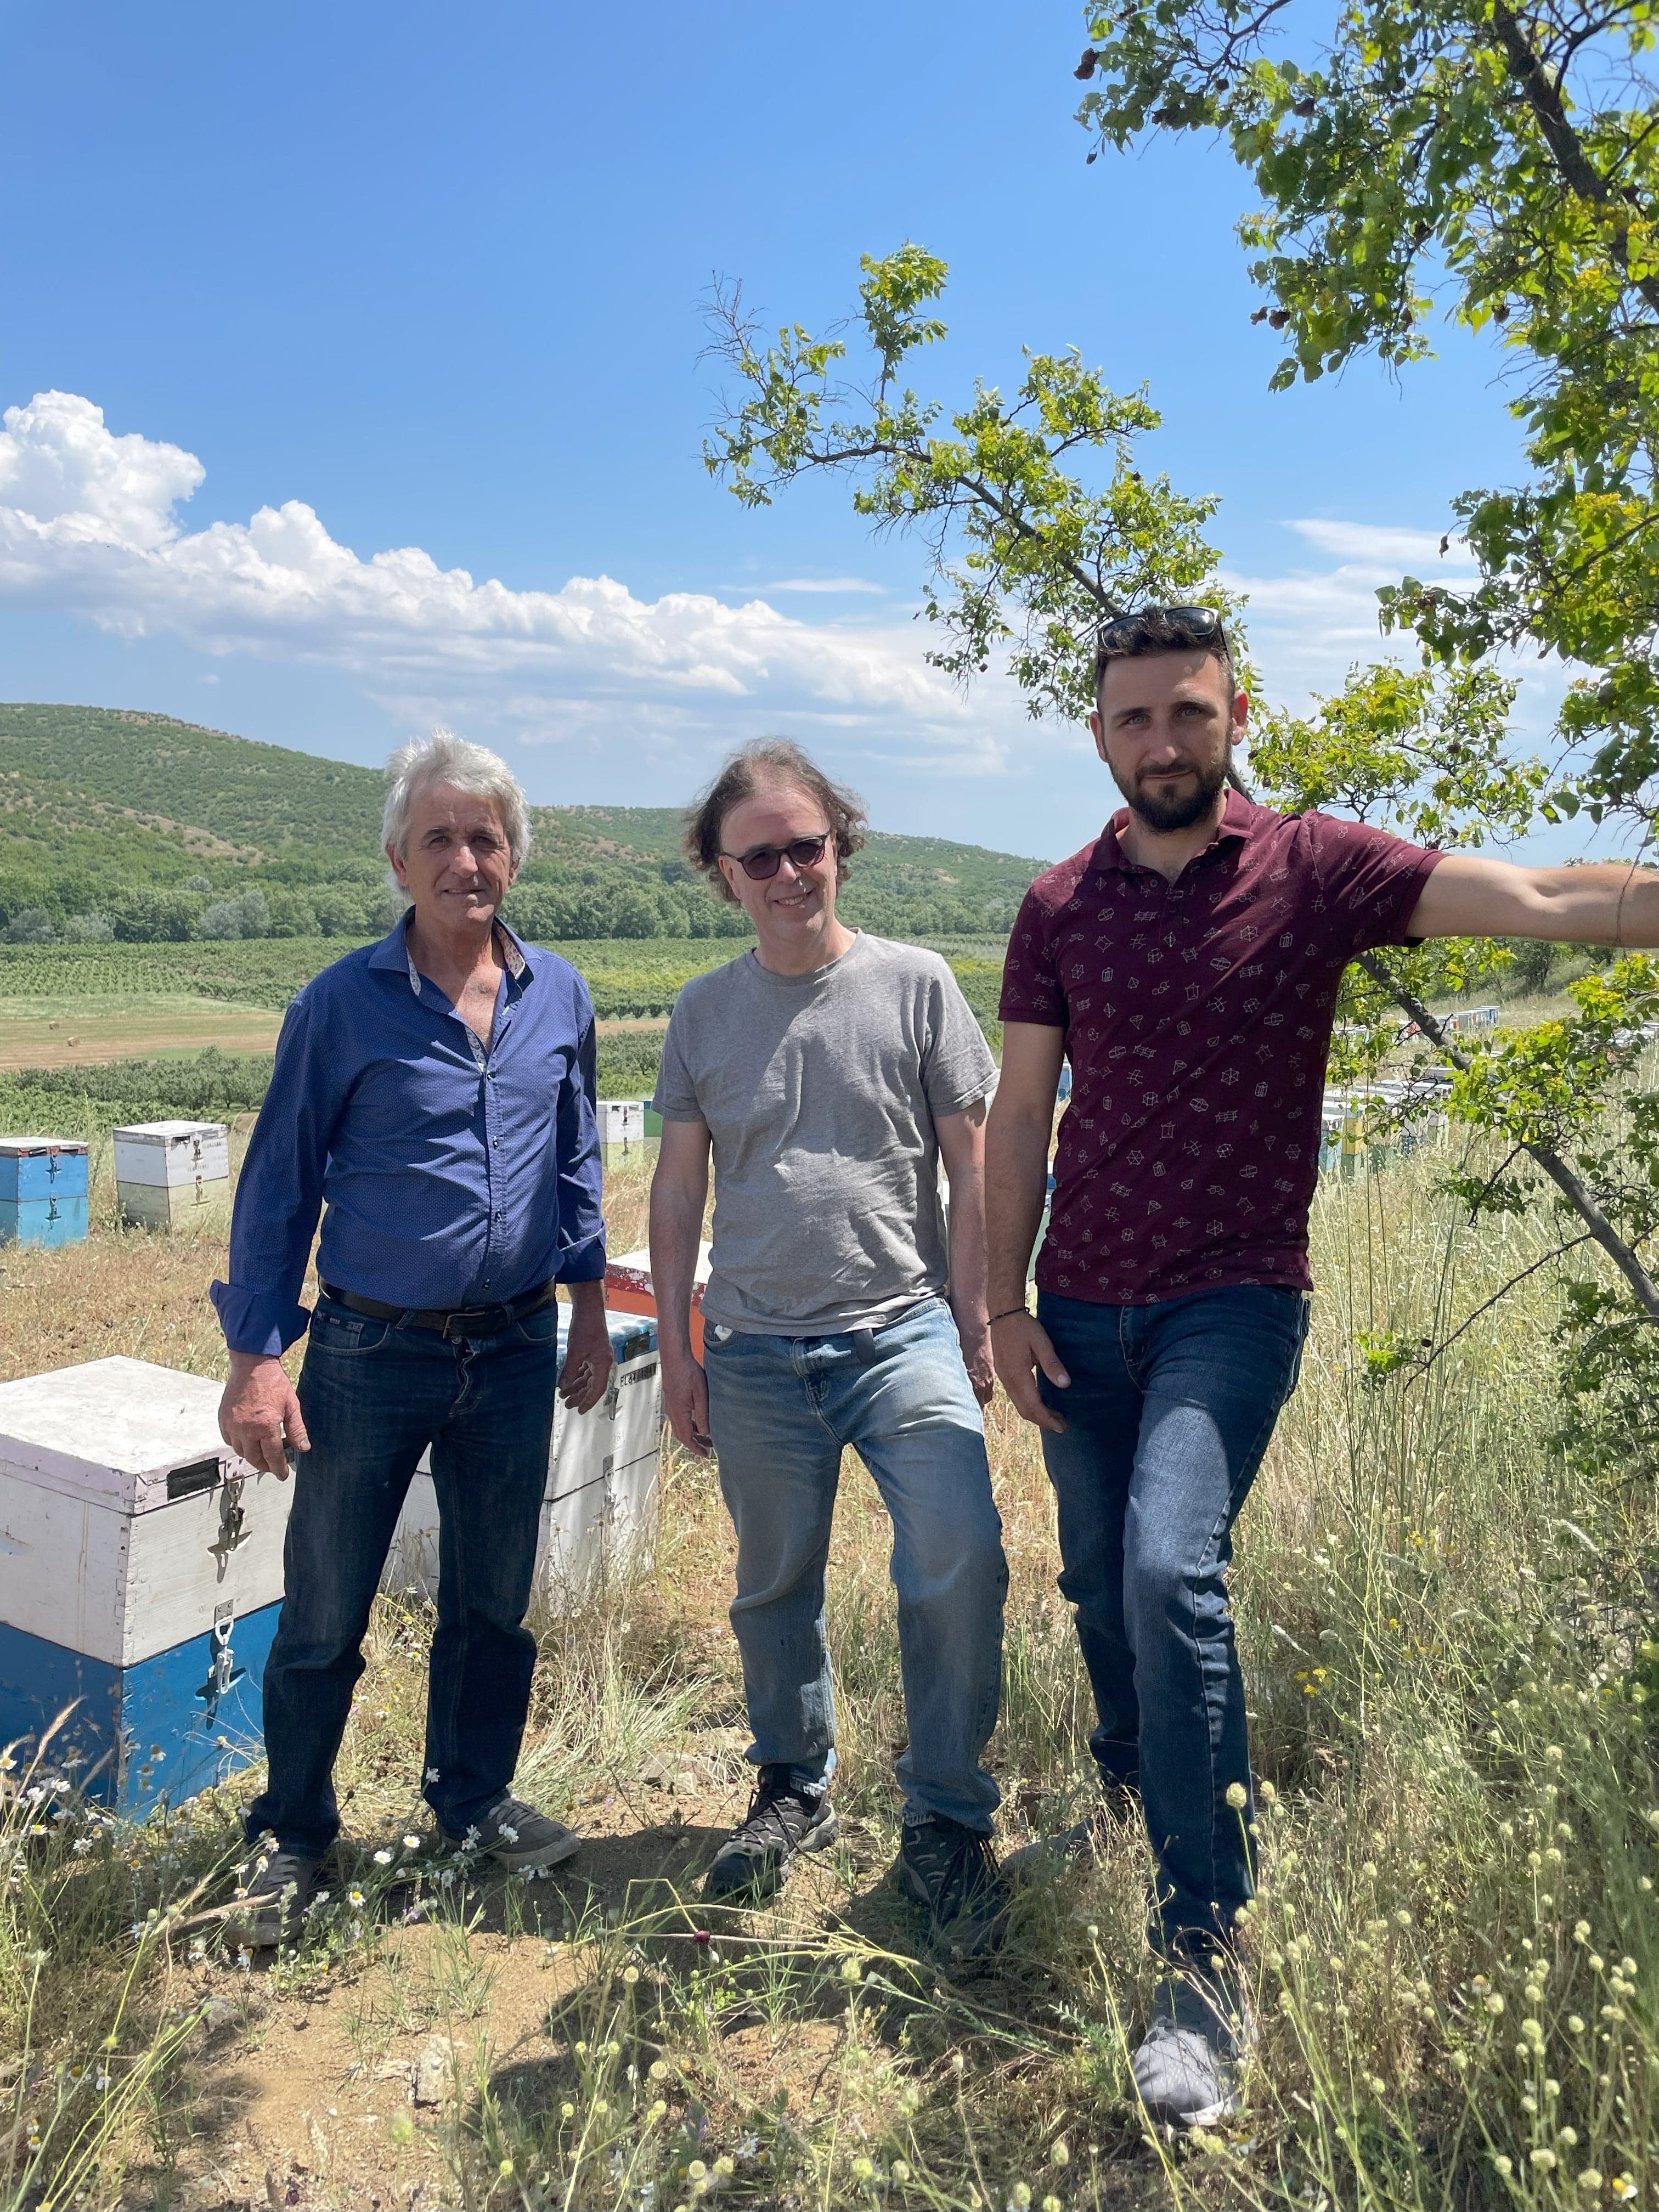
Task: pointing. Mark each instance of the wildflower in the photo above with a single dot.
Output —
(1581, 1929)
(1019, 2197)
(851, 1970)
(505, 2167)
(901, 2170)
(1051, 2204)
(1368, 1870)
(567, 2112)
(1059, 2153)
(1502, 2167)
(863, 2171)
(1623, 2185)
(1590, 2180)
(696, 2169)
(657, 2070)
(1402, 1918)
(357, 1900)
(383, 1858)
(600, 2108)
(1569, 2136)
(1236, 1795)
(1267, 1794)
(1379, 2088)
(1494, 2002)
(411, 1843)
(1544, 2159)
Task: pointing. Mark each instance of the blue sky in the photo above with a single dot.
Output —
(413, 278)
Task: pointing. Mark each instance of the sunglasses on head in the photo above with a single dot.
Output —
(1201, 623)
(761, 865)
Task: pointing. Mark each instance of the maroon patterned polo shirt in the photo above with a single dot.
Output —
(1198, 1018)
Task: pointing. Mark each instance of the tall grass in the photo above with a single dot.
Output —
(1448, 1639)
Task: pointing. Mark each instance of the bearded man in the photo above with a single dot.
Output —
(1187, 963)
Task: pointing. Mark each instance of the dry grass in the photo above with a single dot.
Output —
(1456, 1944)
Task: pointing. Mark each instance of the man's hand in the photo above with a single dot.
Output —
(260, 1415)
(1021, 1345)
(587, 1362)
(976, 1340)
(685, 1400)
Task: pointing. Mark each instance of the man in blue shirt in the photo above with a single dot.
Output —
(433, 1096)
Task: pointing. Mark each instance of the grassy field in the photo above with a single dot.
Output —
(1455, 1950)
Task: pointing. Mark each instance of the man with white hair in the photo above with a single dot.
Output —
(433, 1096)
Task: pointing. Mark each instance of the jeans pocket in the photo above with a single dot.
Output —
(539, 1329)
(340, 1334)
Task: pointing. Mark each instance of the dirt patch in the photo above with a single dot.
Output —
(90, 1032)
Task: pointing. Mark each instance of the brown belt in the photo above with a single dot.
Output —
(446, 1321)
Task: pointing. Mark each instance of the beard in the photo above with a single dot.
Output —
(1174, 812)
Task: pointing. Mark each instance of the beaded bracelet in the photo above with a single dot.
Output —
(1007, 1314)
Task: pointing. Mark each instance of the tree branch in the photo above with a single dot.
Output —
(1580, 173)
(1570, 1187)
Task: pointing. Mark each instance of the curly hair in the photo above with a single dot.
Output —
(768, 761)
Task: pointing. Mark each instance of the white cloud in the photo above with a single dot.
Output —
(835, 585)
(87, 524)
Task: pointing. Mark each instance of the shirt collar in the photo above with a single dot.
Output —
(392, 951)
(1241, 820)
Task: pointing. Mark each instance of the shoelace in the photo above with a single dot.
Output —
(767, 1818)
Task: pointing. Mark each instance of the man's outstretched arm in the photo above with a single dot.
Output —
(1603, 903)
(1016, 1176)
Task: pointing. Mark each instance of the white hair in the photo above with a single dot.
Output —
(445, 758)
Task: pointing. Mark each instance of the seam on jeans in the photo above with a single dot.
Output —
(1234, 1507)
(456, 1550)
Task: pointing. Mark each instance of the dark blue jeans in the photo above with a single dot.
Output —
(374, 1396)
(1168, 1413)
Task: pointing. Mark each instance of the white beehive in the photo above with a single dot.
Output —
(171, 1173)
(622, 1129)
(141, 1575)
(600, 1498)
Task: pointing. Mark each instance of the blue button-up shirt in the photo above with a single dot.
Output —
(448, 1173)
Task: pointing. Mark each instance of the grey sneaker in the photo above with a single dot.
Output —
(273, 1889)
(1078, 1845)
(953, 1870)
(516, 1836)
(1187, 2070)
(781, 1821)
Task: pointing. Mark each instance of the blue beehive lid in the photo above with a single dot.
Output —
(631, 1335)
(42, 1167)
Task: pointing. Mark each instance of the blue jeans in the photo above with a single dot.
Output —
(780, 1411)
(374, 1396)
(1168, 1413)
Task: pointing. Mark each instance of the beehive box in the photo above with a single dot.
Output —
(622, 1129)
(43, 1190)
(600, 1498)
(173, 1174)
(630, 1288)
(141, 1575)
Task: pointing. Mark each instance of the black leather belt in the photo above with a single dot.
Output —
(446, 1321)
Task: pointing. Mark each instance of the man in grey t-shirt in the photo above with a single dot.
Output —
(829, 1073)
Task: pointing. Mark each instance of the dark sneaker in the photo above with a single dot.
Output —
(273, 1889)
(1187, 2070)
(781, 1821)
(953, 1870)
(516, 1836)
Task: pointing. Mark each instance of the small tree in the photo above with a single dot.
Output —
(1026, 557)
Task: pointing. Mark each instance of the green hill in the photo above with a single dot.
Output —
(134, 824)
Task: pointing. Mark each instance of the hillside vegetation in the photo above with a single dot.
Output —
(134, 827)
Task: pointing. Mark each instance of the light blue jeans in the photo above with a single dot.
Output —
(782, 1409)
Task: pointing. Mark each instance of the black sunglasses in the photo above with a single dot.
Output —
(1203, 622)
(761, 865)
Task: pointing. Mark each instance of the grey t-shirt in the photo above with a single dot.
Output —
(820, 1092)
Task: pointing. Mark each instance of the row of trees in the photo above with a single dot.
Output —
(146, 915)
